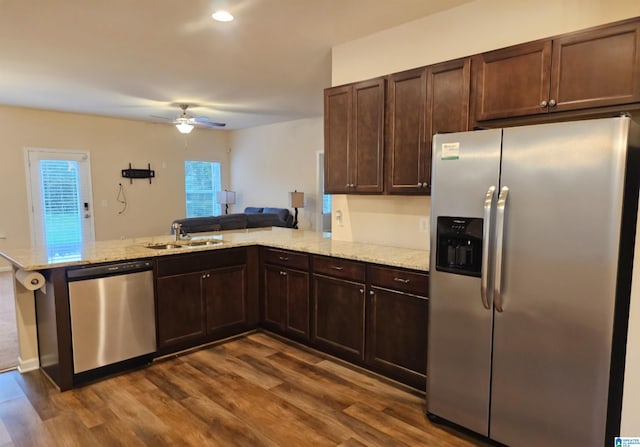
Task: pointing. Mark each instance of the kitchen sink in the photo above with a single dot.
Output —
(163, 246)
(201, 243)
(171, 245)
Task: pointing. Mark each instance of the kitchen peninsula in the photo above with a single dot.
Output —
(362, 302)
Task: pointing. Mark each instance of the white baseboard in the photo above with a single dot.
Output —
(28, 364)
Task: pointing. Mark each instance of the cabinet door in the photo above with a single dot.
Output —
(337, 131)
(225, 292)
(406, 109)
(297, 298)
(512, 81)
(448, 87)
(596, 68)
(397, 335)
(274, 297)
(367, 137)
(339, 316)
(180, 308)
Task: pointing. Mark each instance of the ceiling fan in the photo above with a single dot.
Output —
(185, 122)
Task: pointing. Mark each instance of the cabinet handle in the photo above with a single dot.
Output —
(283, 258)
(371, 292)
(353, 185)
(347, 185)
(403, 281)
(552, 103)
(336, 267)
(543, 104)
(283, 273)
(361, 290)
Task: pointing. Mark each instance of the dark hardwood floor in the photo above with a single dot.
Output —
(256, 390)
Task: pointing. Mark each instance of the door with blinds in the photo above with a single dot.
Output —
(59, 184)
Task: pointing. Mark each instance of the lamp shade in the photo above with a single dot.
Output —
(296, 199)
(226, 197)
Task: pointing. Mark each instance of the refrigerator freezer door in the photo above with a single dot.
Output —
(465, 166)
(552, 342)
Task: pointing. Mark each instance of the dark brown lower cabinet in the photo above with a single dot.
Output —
(339, 309)
(201, 297)
(274, 303)
(180, 308)
(397, 315)
(286, 294)
(225, 297)
(286, 298)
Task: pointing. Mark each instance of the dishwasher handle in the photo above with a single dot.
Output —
(101, 271)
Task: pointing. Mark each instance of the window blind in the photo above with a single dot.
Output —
(61, 204)
(202, 182)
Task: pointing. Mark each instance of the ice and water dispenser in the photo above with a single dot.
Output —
(459, 245)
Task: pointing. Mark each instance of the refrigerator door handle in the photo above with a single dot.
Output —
(497, 287)
(486, 234)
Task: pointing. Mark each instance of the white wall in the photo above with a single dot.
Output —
(113, 144)
(399, 221)
(468, 29)
(267, 162)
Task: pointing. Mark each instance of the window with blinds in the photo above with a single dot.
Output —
(61, 202)
(202, 182)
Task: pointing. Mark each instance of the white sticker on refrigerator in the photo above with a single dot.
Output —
(450, 151)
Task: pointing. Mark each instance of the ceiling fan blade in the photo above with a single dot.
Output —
(162, 118)
(185, 118)
(204, 122)
(208, 124)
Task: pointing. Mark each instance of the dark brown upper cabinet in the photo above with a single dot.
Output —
(406, 143)
(582, 70)
(448, 90)
(354, 136)
(423, 102)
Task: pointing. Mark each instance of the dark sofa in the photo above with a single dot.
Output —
(251, 218)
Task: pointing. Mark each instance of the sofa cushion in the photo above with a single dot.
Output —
(233, 221)
(252, 210)
(264, 220)
(283, 213)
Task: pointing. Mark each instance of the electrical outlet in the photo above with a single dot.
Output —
(423, 225)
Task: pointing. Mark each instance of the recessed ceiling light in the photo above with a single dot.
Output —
(222, 16)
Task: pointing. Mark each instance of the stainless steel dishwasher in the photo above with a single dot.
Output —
(112, 313)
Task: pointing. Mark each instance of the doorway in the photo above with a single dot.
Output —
(59, 187)
(324, 219)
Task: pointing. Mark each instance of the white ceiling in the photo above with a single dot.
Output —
(138, 58)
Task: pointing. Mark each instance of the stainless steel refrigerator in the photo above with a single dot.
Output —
(532, 232)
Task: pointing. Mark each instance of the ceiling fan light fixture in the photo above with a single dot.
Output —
(222, 16)
(184, 127)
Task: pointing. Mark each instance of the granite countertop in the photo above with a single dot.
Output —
(304, 241)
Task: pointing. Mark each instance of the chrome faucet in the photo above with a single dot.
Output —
(177, 230)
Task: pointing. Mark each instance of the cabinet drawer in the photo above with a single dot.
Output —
(339, 268)
(401, 280)
(286, 258)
